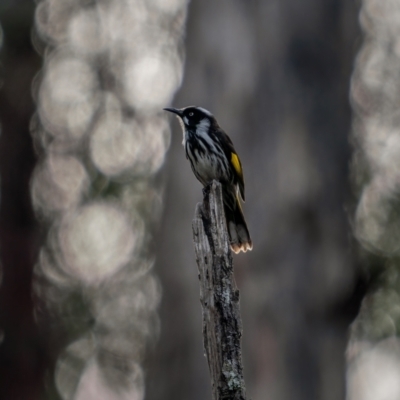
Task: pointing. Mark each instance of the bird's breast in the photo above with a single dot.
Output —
(205, 163)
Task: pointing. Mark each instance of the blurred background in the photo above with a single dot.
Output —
(99, 295)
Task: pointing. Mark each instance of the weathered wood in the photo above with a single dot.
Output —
(219, 297)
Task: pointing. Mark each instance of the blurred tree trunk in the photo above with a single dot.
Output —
(23, 355)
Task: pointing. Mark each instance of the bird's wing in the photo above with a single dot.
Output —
(237, 167)
(235, 163)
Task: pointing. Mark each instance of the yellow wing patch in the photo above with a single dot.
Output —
(236, 164)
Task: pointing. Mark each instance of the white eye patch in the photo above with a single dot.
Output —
(202, 128)
(185, 120)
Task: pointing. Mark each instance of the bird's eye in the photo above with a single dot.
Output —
(191, 114)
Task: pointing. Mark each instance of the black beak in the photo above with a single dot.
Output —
(176, 111)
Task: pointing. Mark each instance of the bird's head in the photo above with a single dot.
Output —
(192, 116)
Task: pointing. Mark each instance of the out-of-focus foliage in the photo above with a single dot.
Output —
(373, 352)
(109, 68)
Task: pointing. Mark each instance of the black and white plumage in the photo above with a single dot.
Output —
(212, 156)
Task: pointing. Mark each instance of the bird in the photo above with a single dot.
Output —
(212, 156)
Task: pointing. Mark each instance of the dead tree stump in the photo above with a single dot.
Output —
(219, 297)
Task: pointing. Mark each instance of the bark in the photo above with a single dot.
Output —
(219, 297)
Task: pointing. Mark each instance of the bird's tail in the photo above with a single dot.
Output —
(239, 235)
